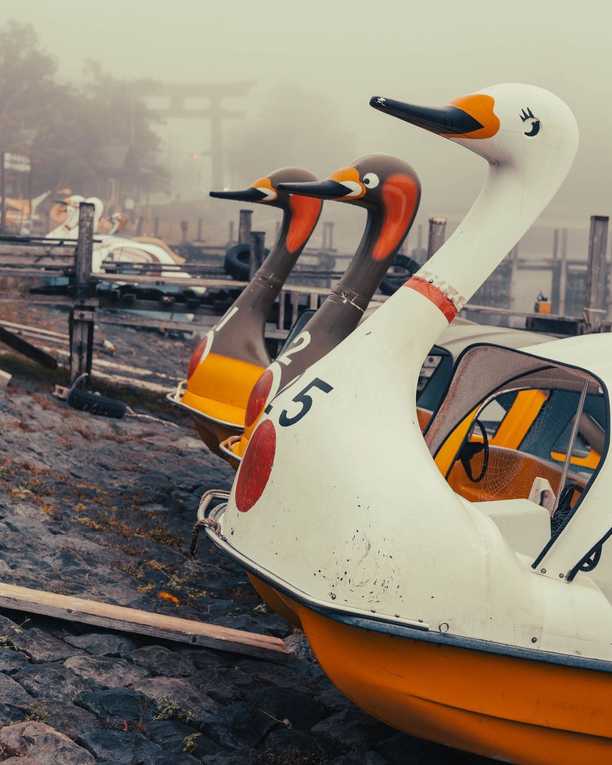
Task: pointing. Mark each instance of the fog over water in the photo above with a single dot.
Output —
(314, 66)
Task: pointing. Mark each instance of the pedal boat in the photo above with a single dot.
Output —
(389, 190)
(476, 624)
(229, 360)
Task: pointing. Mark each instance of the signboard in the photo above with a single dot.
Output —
(18, 163)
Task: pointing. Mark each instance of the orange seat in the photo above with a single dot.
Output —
(509, 475)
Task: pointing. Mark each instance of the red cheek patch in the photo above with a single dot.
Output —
(258, 397)
(401, 195)
(305, 213)
(256, 466)
(196, 356)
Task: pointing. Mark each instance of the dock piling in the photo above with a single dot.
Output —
(595, 305)
(562, 271)
(82, 315)
(244, 226)
(513, 256)
(437, 235)
(328, 235)
(184, 231)
(554, 274)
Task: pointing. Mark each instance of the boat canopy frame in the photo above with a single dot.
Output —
(478, 378)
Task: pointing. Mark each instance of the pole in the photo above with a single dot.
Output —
(570, 445)
(328, 235)
(437, 235)
(184, 231)
(595, 309)
(84, 251)
(555, 272)
(81, 322)
(29, 225)
(216, 143)
(514, 253)
(244, 226)
(3, 191)
(563, 271)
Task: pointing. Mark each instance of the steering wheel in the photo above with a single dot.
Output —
(470, 449)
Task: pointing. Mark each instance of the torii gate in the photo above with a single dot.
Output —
(214, 93)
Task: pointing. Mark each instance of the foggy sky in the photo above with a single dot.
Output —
(426, 52)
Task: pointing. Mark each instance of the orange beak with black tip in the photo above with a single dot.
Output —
(243, 195)
(472, 116)
(343, 184)
(261, 190)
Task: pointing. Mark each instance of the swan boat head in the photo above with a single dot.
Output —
(389, 190)
(227, 362)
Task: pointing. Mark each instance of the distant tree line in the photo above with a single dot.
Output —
(95, 137)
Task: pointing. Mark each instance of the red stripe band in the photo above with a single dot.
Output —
(435, 295)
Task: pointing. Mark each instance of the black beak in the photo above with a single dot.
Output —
(320, 189)
(450, 120)
(244, 195)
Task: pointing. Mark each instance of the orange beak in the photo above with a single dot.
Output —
(260, 191)
(344, 185)
(472, 116)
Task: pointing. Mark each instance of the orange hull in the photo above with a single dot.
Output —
(499, 706)
(275, 601)
(219, 390)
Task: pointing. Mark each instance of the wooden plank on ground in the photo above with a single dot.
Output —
(140, 622)
(19, 344)
(35, 330)
(131, 382)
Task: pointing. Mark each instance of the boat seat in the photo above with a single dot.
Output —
(510, 475)
(524, 525)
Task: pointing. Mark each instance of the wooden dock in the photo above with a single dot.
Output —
(39, 258)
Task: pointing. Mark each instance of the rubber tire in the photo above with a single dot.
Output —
(236, 262)
(327, 262)
(392, 282)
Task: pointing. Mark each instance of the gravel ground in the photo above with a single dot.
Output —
(103, 509)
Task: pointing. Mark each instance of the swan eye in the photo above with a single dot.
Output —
(370, 180)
